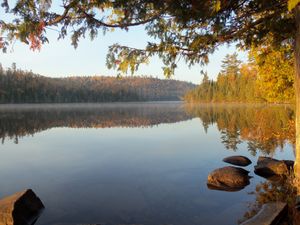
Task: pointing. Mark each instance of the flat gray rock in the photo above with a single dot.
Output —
(269, 214)
(237, 160)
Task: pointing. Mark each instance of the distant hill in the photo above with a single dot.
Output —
(17, 86)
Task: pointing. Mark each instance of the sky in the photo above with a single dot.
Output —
(60, 59)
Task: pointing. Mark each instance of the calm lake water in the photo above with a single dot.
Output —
(137, 163)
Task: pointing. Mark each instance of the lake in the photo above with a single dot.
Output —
(137, 163)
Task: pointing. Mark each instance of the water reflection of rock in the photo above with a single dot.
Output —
(22, 120)
(22, 208)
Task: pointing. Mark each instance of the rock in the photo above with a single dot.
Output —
(270, 213)
(228, 178)
(268, 167)
(289, 164)
(22, 208)
(237, 160)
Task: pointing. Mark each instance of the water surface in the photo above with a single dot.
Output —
(137, 163)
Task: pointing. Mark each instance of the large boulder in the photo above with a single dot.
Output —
(270, 213)
(22, 208)
(237, 160)
(268, 167)
(228, 178)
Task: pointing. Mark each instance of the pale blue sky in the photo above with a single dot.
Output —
(59, 58)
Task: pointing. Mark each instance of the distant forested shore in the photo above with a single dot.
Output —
(18, 86)
(268, 77)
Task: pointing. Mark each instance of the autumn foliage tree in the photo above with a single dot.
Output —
(267, 77)
(275, 75)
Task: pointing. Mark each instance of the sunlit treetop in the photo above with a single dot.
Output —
(181, 29)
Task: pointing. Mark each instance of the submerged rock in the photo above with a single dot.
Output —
(22, 208)
(270, 213)
(268, 167)
(228, 178)
(237, 160)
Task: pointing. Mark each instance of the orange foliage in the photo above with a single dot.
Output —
(34, 38)
(1, 43)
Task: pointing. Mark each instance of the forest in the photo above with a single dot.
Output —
(268, 77)
(18, 86)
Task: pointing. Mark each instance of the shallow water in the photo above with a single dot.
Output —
(137, 163)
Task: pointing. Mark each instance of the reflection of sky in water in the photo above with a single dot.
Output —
(151, 175)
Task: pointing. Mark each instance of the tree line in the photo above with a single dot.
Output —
(267, 77)
(18, 86)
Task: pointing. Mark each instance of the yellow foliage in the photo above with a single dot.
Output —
(218, 5)
(275, 73)
(292, 4)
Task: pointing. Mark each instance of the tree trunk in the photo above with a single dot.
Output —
(297, 92)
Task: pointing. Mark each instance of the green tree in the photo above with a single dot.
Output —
(235, 83)
(230, 74)
(230, 65)
(202, 93)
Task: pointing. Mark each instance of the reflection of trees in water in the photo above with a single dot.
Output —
(25, 121)
(264, 128)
